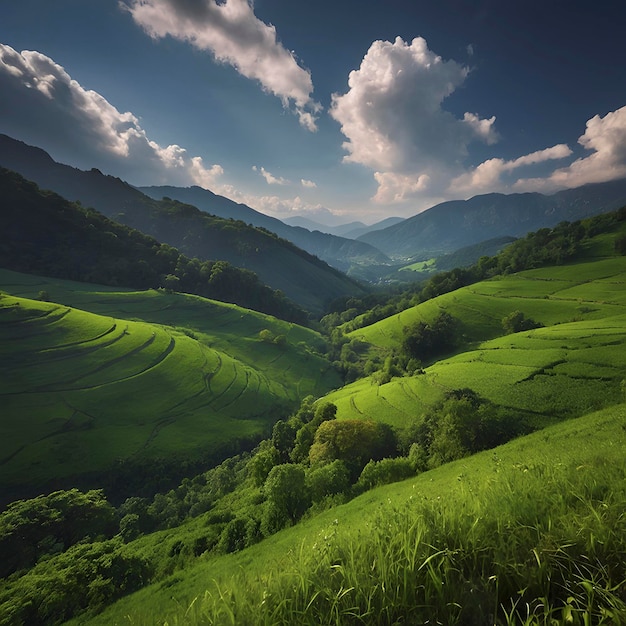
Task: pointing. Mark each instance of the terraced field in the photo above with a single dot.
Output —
(572, 366)
(81, 392)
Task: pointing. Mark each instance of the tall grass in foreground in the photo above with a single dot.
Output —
(535, 545)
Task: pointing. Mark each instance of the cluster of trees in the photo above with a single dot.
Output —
(461, 424)
(79, 551)
(88, 247)
(517, 322)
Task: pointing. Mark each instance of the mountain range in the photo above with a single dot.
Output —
(340, 252)
(440, 230)
(304, 278)
(351, 230)
(449, 226)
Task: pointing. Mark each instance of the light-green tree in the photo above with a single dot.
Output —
(287, 497)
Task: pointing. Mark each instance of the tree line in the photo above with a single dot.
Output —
(42, 233)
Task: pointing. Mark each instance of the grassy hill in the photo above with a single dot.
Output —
(529, 532)
(90, 398)
(573, 365)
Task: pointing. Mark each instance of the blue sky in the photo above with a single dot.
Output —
(338, 110)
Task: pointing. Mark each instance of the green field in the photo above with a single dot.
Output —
(83, 391)
(572, 366)
(532, 529)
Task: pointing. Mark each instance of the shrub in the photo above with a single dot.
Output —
(385, 471)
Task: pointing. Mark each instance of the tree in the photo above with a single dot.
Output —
(287, 496)
(329, 480)
(353, 441)
(424, 341)
(261, 464)
(517, 322)
(283, 437)
(52, 523)
(385, 471)
(171, 282)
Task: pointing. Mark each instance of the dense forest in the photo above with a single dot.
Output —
(42, 233)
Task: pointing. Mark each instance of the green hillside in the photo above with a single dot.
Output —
(573, 365)
(531, 532)
(528, 532)
(88, 399)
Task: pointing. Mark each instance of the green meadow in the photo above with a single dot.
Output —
(572, 366)
(85, 391)
(532, 532)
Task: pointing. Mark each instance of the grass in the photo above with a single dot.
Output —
(532, 532)
(586, 290)
(82, 392)
(572, 366)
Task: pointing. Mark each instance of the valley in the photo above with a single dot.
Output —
(232, 466)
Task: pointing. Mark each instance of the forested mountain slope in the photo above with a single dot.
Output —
(337, 251)
(305, 279)
(44, 233)
(449, 226)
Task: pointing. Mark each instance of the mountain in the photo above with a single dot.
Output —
(354, 233)
(351, 230)
(449, 226)
(305, 222)
(305, 279)
(43, 233)
(339, 252)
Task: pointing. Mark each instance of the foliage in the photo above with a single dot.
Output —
(385, 471)
(355, 442)
(287, 497)
(87, 576)
(531, 534)
(517, 322)
(424, 341)
(31, 529)
(92, 248)
(460, 425)
(328, 480)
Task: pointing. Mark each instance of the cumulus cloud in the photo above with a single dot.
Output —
(394, 121)
(605, 137)
(490, 174)
(43, 105)
(309, 184)
(230, 30)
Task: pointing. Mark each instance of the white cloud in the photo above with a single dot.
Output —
(489, 175)
(230, 30)
(606, 138)
(309, 184)
(395, 188)
(270, 179)
(394, 122)
(43, 105)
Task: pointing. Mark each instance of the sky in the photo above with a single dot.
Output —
(337, 110)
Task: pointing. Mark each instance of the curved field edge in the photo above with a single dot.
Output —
(291, 357)
(82, 393)
(572, 366)
(552, 295)
(545, 507)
